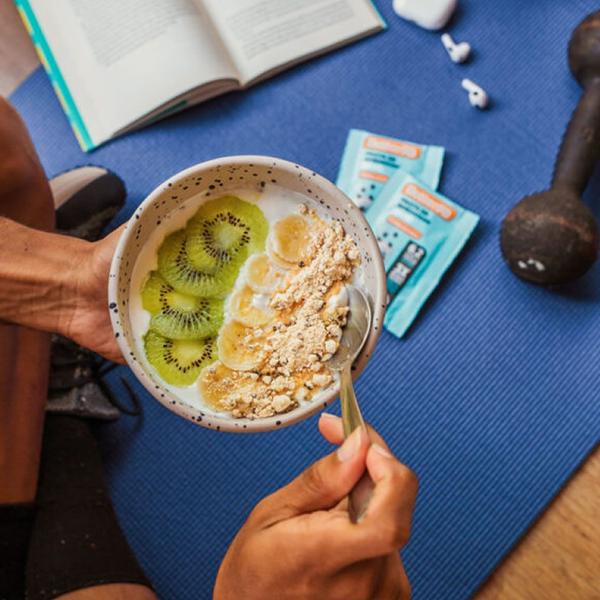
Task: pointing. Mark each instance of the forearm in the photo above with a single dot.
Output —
(39, 276)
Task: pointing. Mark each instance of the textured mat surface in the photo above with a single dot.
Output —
(491, 398)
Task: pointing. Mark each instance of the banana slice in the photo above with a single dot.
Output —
(238, 348)
(214, 384)
(250, 309)
(262, 275)
(291, 238)
(278, 260)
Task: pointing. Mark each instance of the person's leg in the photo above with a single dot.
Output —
(76, 543)
(121, 591)
(24, 353)
(25, 197)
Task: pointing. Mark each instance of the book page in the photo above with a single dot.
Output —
(121, 59)
(263, 35)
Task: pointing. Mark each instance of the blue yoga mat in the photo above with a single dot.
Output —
(491, 398)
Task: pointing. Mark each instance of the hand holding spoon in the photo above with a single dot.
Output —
(353, 339)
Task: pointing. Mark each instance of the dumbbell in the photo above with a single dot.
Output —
(551, 237)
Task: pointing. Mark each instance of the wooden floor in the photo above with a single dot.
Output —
(559, 559)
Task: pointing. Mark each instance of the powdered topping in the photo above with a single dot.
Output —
(271, 367)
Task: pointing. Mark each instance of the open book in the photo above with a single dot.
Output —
(117, 65)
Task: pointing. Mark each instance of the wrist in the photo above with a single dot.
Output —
(74, 287)
(40, 276)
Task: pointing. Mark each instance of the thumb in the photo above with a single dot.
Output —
(324, 483)
(104, 250)
(110, 240)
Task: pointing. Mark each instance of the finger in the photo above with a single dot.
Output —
(388, 518)
(332, 430)
(105, 248)
(109, 242)
(116, 233)
(394, 582)
(387, 522)
(342, 505)
(386, 525)
(321, 486)
(361, 580)
(114, 354)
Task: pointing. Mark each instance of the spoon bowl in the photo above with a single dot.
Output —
(356, 330)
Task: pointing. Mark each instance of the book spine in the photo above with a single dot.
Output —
(378, 13)
(58, 83)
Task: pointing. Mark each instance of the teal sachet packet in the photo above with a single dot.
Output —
(369, 161)
(420, 232)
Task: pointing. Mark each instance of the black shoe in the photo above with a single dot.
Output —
(86, 200)
(76, 386)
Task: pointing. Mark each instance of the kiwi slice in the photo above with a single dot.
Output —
(179, 316)
(177, 270)
(178, 362)
(225, 230)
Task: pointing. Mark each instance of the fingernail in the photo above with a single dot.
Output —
(351, 445)
(383, 451)
(329, 417)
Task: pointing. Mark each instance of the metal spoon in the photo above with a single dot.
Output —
(353, 339)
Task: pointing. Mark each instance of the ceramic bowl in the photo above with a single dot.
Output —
(212, 179)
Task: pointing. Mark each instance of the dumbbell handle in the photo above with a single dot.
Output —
(580, 147)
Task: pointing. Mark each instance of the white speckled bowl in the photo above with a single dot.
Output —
(215, 178)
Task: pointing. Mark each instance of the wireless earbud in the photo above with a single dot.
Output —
(477, 95)
(458, 53)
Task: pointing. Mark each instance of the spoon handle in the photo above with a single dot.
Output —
(361, 493)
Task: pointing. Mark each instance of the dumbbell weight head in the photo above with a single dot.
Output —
(551, 237)
(584, 50)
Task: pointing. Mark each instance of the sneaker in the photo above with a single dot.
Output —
(86, 200)
(76, 386)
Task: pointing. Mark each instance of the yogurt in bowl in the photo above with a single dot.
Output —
(227, 294)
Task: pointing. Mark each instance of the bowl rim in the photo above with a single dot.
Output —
(226, 423)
